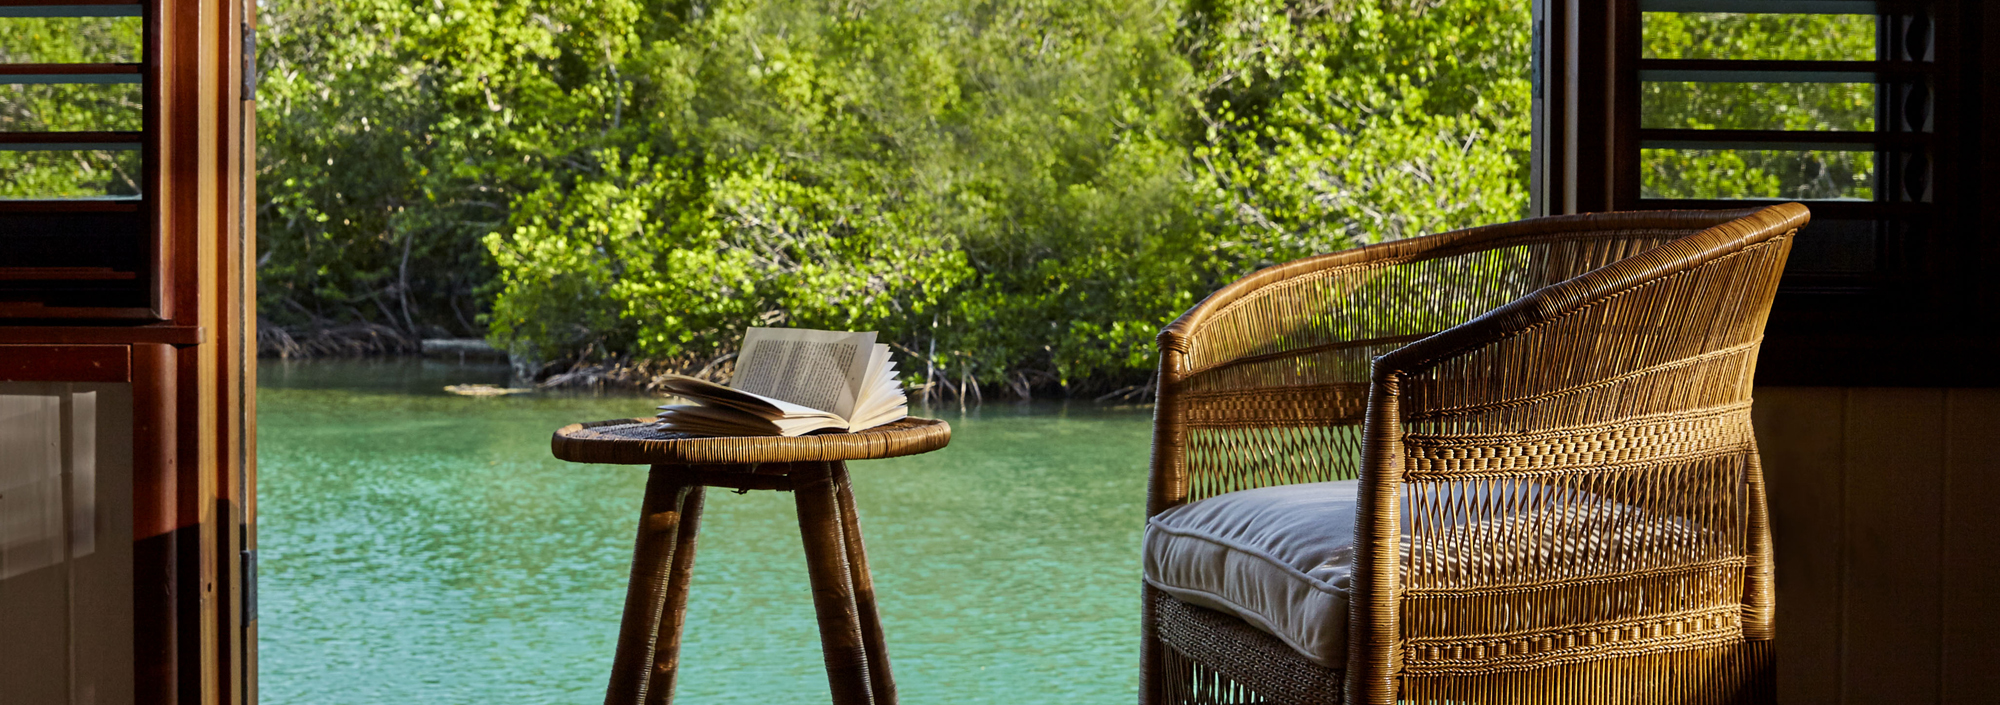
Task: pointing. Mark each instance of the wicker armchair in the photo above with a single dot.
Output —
(1556, 494)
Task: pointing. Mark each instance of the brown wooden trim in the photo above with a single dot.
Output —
(232, 352)
(35, 310)
(153, 154)
(105, 335)
(184, 119)
(65, 363)
(192, 419)
(155, 426)
(194, 460)
(247, 274)
(154, 520)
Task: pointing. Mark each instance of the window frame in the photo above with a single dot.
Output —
(149, 220)
(1924, 316)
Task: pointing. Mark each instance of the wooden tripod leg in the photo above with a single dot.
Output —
(879, 678)
(659, 524)
(667, 644)
(832, 585)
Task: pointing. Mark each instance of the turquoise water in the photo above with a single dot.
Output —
(420, 547)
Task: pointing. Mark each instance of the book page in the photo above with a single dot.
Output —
(813, 368)
(748, 402)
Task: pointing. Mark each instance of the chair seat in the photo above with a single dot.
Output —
(1280, 557)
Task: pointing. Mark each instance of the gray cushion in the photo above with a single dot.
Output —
(1277, 557)
(1281, 557)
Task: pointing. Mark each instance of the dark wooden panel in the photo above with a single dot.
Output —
(112, 238)
(1799, 439)
(1779, 66)
(130, 205)
(41, 274)
(35, 310)
(1828, 209)
(111, 243)
(1833, 7)
(65, 363)
(111, 335)
(1759, 138)
(1587, 125)
(1894, 487)
(77, 138)
(1971, 590)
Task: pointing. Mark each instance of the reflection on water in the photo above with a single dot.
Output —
(421, 547)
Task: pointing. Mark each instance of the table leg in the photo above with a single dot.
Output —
(832, 585)
(659, 524)
(667, 644)
(880, 680)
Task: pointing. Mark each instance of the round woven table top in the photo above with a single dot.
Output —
(642, 442)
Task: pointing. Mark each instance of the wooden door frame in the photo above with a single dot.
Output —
(192, 369)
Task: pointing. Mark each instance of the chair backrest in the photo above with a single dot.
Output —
(1265, 381)
(1575, 378)
(1573, 475)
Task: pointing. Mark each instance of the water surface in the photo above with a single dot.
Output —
(421, 547)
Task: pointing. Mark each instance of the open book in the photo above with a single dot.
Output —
(789, 382)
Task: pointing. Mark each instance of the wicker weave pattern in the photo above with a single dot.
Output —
(1559, 483)
(1217, 653)
(1691, 434)
(642, 442)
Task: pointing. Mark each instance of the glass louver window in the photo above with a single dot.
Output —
(1822, 101)
(74, 147)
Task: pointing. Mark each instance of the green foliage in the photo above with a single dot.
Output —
(1335, 124)
(69, 108)
(393, 137)
(1021, 190)
(1716, 35)
(1018, 190)
(1801, 174)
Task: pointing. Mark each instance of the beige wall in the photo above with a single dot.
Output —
(65, 543)
(1883, 506)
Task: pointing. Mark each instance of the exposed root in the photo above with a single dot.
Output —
(349, 340)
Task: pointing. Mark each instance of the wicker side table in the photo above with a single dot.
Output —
(814, 470)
